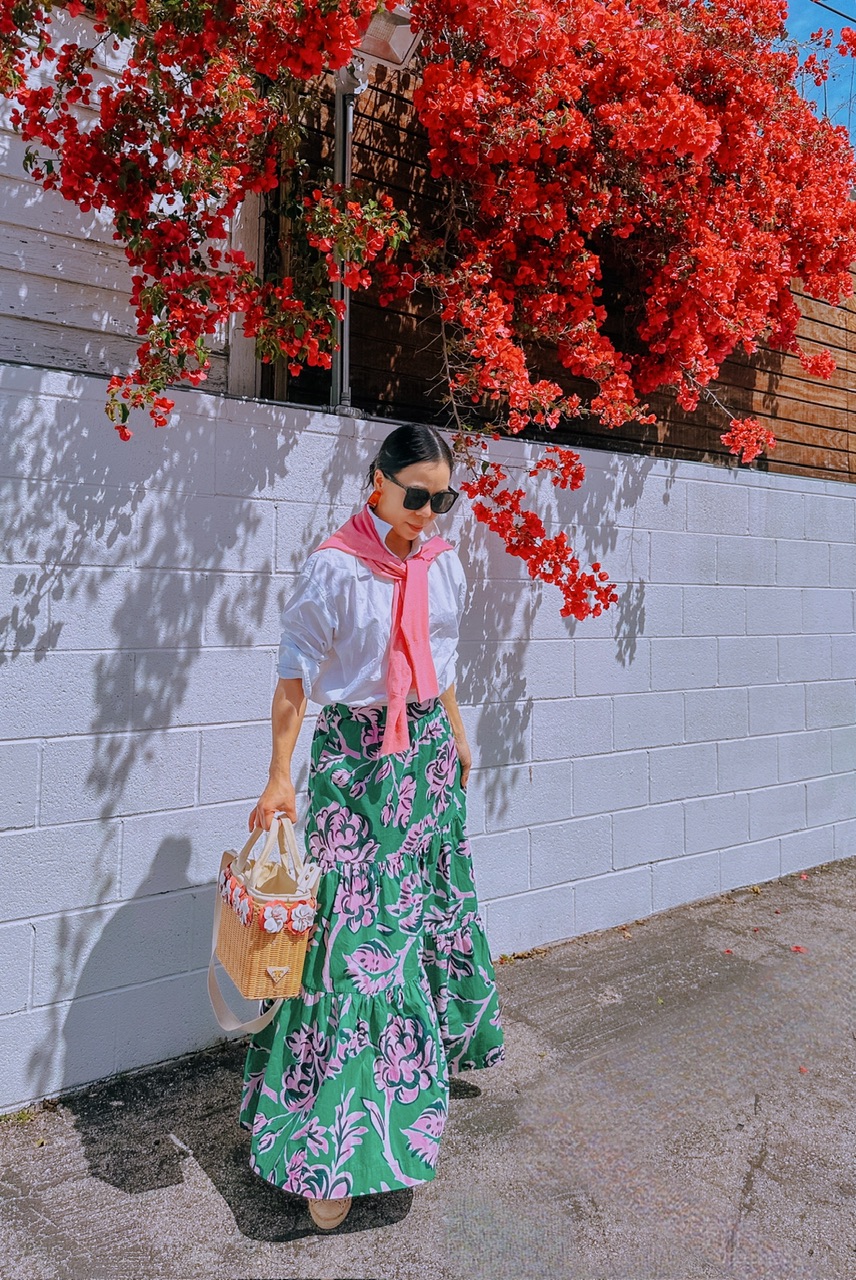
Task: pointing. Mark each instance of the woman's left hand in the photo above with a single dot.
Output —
(465, 756)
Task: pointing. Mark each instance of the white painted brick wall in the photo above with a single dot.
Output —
(19, 784)
(696, 738)
(677, 880)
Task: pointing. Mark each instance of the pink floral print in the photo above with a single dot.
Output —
(407, 1059)
(300, 1084)
(423, 1136)
(409, 905)
(399, 804)
(341, 836)
(372, 966)
(356, 899)
(442, 769)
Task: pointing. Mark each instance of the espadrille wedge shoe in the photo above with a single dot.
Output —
(328, 1214)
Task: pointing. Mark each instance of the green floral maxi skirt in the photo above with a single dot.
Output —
(346, 1092)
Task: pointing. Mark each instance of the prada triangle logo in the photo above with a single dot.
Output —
(277, 973)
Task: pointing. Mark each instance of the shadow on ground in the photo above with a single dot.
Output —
(137, 1130)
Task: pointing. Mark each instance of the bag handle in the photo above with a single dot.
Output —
(307, 870)
(222, 1012)
(273, 850)
(280, 848)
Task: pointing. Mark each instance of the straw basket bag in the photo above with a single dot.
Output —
(263, 917)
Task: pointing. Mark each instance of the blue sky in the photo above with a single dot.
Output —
(805, 17)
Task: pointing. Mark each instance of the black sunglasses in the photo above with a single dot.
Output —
(416, 497)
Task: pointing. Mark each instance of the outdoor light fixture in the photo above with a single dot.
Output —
(390, 40)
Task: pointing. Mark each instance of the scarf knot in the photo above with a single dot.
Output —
(411, 663)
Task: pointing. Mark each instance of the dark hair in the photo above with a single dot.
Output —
(406, 445)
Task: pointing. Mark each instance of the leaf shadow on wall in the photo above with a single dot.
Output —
(492, 676)
(606, 529)
(500, 666)
(134, 562)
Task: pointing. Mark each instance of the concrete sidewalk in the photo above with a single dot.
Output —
(677, 1103)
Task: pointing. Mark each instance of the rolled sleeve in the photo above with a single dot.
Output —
(308, 627)
(463, 587)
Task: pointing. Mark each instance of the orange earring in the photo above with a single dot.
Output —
(374, 499)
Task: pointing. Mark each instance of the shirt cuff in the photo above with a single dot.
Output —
(294, 665)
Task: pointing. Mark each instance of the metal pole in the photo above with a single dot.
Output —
(345, 388)
(349, 82)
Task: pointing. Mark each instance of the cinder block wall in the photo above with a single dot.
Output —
(698, 737)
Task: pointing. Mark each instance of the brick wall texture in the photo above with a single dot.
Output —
(698, 737)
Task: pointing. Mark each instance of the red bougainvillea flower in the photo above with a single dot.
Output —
(548, 558)
(749, 437)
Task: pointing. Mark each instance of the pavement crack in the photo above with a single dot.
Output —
(747, 1196)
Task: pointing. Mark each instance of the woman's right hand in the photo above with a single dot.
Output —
(277, 797)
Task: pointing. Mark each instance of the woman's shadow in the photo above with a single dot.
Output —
(139, 1129)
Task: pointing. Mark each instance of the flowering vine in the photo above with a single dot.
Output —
(638, 184)
(630, 189)
(550, 559)
(169, 116)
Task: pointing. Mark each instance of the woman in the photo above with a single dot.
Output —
(346, 1092)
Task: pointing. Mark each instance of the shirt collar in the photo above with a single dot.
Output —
(383, 529)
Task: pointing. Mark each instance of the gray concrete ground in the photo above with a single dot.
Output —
(677, 1103)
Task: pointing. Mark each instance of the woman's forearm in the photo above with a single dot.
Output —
(289, 704)
(453, 711)
(287, 710)
(465, 756)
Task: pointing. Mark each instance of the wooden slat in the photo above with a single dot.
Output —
(800, 424)
(836, 465)
(51, 346)
(58, 347)
(25, 205)
(88, 308)
(769, 389)
(834, 319)
(64, 259)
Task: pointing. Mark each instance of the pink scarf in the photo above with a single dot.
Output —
(410, 661)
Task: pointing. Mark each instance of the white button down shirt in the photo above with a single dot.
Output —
(336, 625)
